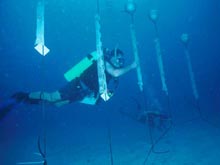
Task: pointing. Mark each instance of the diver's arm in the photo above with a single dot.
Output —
(119, 71)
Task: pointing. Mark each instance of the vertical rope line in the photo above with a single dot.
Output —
(43, 110)
(135, 52)
(110, 145)
(98, 7)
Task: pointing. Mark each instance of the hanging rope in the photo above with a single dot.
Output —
(130, 8)
(153, 17)
(39, 42)
(136, 55)
(100, 62)
(185, 40)
(43, 151)
(191, 74)
(160, 64)
(110, 145)
(43, 50)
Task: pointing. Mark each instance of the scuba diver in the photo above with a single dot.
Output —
(82, 83)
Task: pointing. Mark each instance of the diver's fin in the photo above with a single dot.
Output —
(23, 97)
(20, 96)
(5, 109)
(12, 102)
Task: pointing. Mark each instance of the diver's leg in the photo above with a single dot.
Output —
(49, 97)
(30, 98)
(53, 98)
(37, 97)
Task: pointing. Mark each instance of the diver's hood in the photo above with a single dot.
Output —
(108, 54)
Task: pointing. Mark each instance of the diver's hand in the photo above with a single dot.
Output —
(134, 65)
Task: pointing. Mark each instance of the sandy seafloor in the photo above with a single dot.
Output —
(85, 141)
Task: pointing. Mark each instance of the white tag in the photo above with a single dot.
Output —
(42, 49)
(105, 96)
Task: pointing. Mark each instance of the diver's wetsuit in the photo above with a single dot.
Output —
(81, 87)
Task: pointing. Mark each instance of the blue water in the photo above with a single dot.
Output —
(70, 35)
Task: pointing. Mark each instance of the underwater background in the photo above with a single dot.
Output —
(101, 134)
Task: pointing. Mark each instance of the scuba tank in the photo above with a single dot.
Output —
(81, 66)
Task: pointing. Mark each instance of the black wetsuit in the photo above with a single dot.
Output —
(83, 86)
